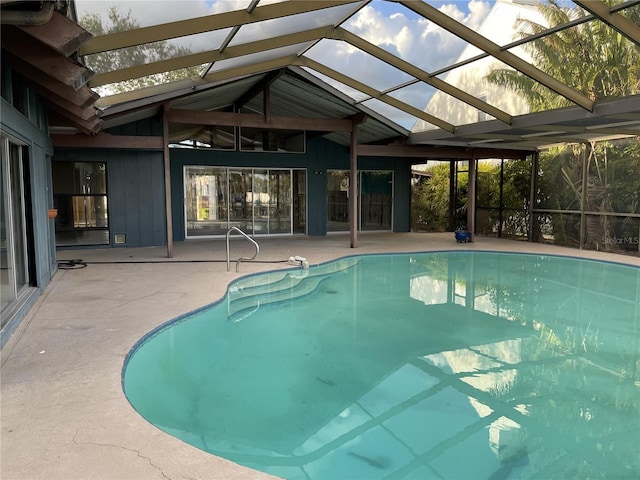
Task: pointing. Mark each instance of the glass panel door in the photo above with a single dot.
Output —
(299, 201)
(206, 202)
(280, 201)
(260, 202)
(240, 197)
(338, 200)
(14, 274)
(375, 190)
(376, 200)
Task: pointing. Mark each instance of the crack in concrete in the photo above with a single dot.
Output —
(137, 452)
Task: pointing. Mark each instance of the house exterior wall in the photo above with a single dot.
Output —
(321, 155)
(135, 192)
(30, 132)
(136, 198)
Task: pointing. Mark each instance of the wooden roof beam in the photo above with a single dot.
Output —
(82, 98)
(194, 117)
(60, 33)
(209, 56)
(44, 59)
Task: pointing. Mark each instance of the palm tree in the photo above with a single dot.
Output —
(591, 57)
(599, 62)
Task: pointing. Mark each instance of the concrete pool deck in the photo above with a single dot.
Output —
(63, 412)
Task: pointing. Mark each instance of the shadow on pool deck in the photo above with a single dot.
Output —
(64, 414)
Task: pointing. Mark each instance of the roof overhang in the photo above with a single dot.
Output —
(41, 46)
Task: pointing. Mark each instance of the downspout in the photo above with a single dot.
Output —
(27, 17)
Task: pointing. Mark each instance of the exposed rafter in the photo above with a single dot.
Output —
(259, 87)
(47, 60)
(259, 121)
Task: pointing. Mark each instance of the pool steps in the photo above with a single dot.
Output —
(247, 294)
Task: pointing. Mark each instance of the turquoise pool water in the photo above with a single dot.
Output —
(444, 365)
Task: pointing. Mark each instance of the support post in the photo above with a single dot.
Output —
(353, 186)
(452, 196)
(167, 180)
(471, 198)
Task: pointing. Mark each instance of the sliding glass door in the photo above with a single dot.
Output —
(258, 201)
(206, 201)
(14, 273)
(375, 200)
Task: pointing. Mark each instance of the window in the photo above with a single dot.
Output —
(262, 140)
(202, 136)
(80, 195)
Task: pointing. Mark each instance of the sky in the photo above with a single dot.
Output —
(385, 24)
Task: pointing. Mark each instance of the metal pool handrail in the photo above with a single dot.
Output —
(241, 258)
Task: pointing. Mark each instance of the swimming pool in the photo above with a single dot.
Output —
(423, 365)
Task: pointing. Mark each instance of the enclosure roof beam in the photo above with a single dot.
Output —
(474, 38)
(181, 28)
(188, 83)
(210, 56)
(615, 20)
(389, 100)
(410, 69)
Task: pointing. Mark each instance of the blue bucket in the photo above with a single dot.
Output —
(462, 236)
